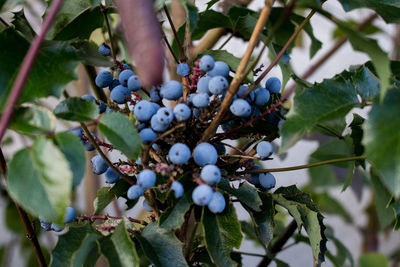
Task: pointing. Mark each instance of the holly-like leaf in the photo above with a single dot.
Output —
(174, 217)
(125, 249)
(388, 9)
(313, 104)
(119, 130)
(306, 214)
(53, 69)
(22, 25)
(264, 219)
(330, 205)
(161, 246)
(382, 139)
(77, 109)
(33, 120)
(40, 180)
(75, 246)
(107, 194)
(222, 234)
(74, 152)
(246, 193)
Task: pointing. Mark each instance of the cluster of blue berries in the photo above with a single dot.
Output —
(69, 217)
(155, 115)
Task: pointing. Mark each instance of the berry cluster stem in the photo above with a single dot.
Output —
(93, 218)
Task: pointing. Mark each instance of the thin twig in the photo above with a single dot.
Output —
(239, 77)
(249, 254)
(305, 166)
(30, 232)
(26, 67)
(170, 48)
(92, 218)
(113, 51)
(105, 158)
(280, 54)
(226, 41)
(178, 41)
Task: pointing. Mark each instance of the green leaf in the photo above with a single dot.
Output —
(12, 219)
(306, 214)
(368, 30)
(382, 139)
(379, 58)
(74, 152)
(317, 103)
(124, 247)
(174, 217)
(33, 120)
(342, 253)
(77, 109)
(366, 83)
(119, 130)
(331, 205)
(22, 25)
(53, 69)
(325, 175)
(210, 19)
(161, 246)
(373, 260)
(211, 3)
(386, 213)
(88, 53)
(246, 193)
(82, 26)
(107, 194)
(40, 180)
(75, 246)
(356, 136)
(388, 9)
(222, 234)
(264, 219)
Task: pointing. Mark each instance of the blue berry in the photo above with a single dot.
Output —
(177, 187)
(156, 125)
(89, 97)
(146, 206)
(77, 132)
(144, 110)
(146, 179)
(57, 228)
(139, 161)
(206, 63)
(171, 90)
(217, 203)
(273, 85)
(99, 166)
(154, 95)
(240, 108)
(165, 115)
(182, 112)
(134, 83)
(179, 153)
(102, 107)
(104, 79)
(124, 76)
(70, 215)
(147, 135)
(220, 69)
(202, 85)
(217, 85)
(104, 50)
(267, 180)
(87, 144)
(126, 66)
(202, 195)
(255, 176)
(114, 84)
(201, 100)
(204, 154)
(262, 97)
(210, 174)
(183, 69)
(119, 94)
(264, 149)
(111, 176)
(196, 113)
(141, 126)
(156, 147)
(45, 224)
(134, 192)
(285, 57)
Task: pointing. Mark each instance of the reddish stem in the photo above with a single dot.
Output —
(26, 67)
(92, 218)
